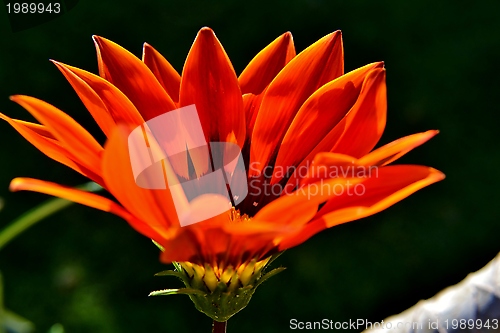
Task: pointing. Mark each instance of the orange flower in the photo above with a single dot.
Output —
(285, 112)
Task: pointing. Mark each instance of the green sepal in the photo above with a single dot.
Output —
(180, 291)
(179, 275)
(226, 299)
(162, 249)
(269, 274)
(177, 266)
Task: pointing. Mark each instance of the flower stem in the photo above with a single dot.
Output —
(219, 327)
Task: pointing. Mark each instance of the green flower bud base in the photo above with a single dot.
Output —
(219, 293)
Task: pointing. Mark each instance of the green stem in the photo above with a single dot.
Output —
(38, 213)
(2, 311)
(219, 327)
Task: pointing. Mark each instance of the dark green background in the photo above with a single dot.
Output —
(91, 272)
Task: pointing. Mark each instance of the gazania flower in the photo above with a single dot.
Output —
(296, 119)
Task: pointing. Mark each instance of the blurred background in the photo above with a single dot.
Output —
(90, 272)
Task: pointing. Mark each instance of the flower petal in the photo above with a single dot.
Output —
(209, 82)
(390, 185)
(81, 146)
(114, 102)
(168, 77)
(81, 197)
(42, 139)
(318, 64)
(221, 243)
(318, 115)
(133, 78)
(251, 105)
(365, 123)
(267, 64)
(68, 193)
(154, 206)
(90, 99)
(298, 207)
(394, 150)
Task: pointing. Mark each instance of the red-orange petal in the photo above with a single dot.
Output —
(251, 105)
(78, 196)
(133, 78)
(90, 99)
(168, 77)
(209, 82)
(298, 207)
(365, 123)
(37, 128)
(117, 105)
(72, 194)
(385, 186)
(328, 165)
(318, 64)
(154, 206)
(42, 139)
(262, 69)
(318, 115)
(391, 185)
(394, 150)
(81, 146)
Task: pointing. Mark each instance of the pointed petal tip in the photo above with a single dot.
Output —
(332, 36)
(206, 32)
(437, 175)
(206, 29)
(16, 184)
(16, 98)
(100, 41)
(58, 64)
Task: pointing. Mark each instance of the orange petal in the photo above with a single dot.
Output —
(300, 206)
(133, 78)
(267, 64)
(37, 128)
(119, 107)
(154, 206)
(209, 82)
(39, 137)
(222, 243)
(365, 123)
(90, 99)
(68, 193)
(251, 105)
(394, 150)
(390, 185)
(384, 187)
(330, 165)
(82, 147)
(319, 114)
(318, 64)
(168, 77)
(78, 196)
